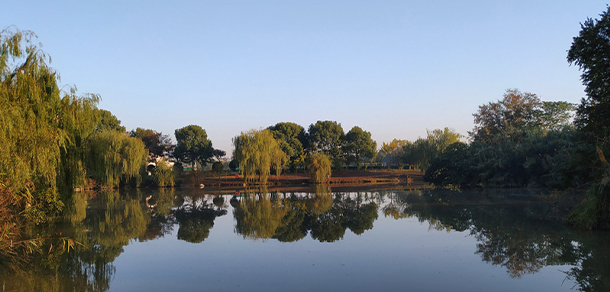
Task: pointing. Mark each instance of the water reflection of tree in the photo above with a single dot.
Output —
(593, 267)
(196, 217)
(329, 226)
(259, 214)
(517, 232)
(160, 204)
(103, 223)
(292, 226)
(289, 217)
(101, 233)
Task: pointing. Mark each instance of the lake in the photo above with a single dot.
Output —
(314, 240)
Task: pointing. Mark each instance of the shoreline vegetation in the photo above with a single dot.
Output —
(55, 141)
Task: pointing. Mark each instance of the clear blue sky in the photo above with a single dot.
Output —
(394, 68)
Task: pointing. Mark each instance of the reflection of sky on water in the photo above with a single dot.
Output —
(401, 255)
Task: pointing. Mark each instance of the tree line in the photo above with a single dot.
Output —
(521, 141)
(286, 146)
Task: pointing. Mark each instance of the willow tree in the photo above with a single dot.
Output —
(257, 152)
(115, 158)
(79, 120)
(29, 134)
(319, 166)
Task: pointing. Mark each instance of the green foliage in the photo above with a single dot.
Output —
(292, 139)
(450, 167)
(590, 50)
(540, 159)
(233, 165)
(53, 140)
(319, 168)
(359, 147)
(193, 145)
(154, 141)
(79, 120)
(257, 152)
(518, 141)
(554, 115)
(327, 137)
(218, 167)
(218, 154)
(506, 118)
(516, 114)
(163, 174)
(392, 153)
(115, 158)
(30, 133)
(422, 151)
(594, 211)
(107, 122)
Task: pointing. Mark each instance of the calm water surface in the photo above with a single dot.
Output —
(431, 240)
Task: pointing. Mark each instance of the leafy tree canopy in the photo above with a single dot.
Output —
(292, 140)
(506, 117)
(359, 146)
(154, 141)
(422, 151)
(115, 158)
(391, 153)
(327, 137)
(106, 121)
(590, 50)
(193, 145)
(516, 113)
(218, 154)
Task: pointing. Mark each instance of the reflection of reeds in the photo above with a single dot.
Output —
(10, 232)
(14, 249)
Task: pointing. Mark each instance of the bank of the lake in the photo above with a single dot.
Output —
(346, 178)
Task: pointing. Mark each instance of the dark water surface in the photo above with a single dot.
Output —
(429, 240)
